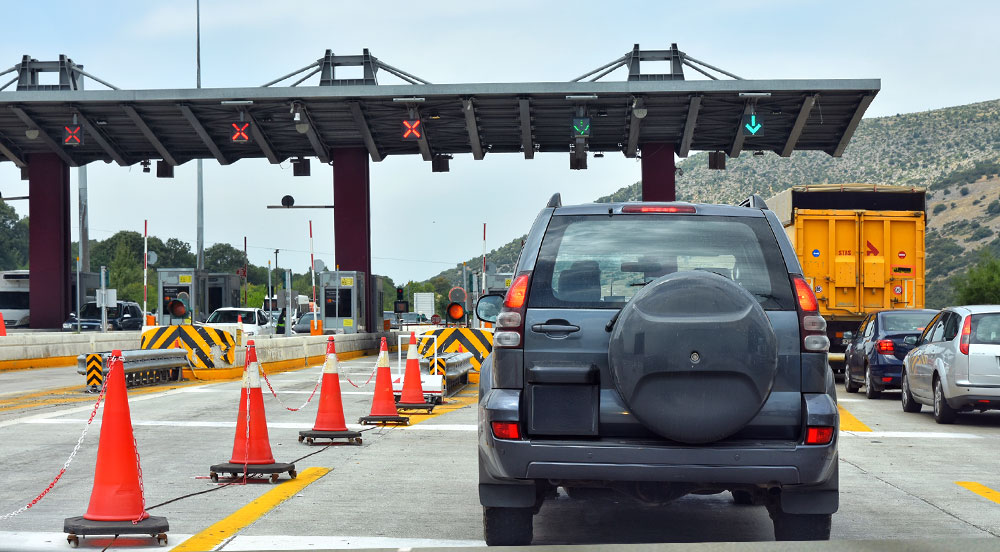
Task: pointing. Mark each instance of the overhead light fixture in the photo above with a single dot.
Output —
(299, 118)
(408, 100)
(581, 97)
(439, 163)
(300, 166)
(145, 165)
(639, 108)
(758, 153)
(755, 94)
(236, 102)
(31, 133)
(164, 169)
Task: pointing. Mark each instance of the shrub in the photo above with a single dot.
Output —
(941, 207)
(965, 191)
(994, 207)
(981, 284)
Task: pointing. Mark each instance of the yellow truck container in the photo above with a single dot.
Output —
(861, 248)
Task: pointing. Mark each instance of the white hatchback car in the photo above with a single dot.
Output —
(955, 366)
(255, 321)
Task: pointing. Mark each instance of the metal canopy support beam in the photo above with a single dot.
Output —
(53, 145)
(148, 133)
(203, 134)
(737, 147)
(366, 134)
(473, 128)
(352, 215)
(800, 123)
(634, 122)
(48, 240)
(100, 139)
(425, 148)
(692, 119)
(261, 139)
(12, 156)
(527, 143)
(852, 126)
(314, 140)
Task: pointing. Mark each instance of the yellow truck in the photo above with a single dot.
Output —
(861, 247)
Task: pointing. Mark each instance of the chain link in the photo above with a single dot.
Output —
(370, 376)
(76, 449)
(318, 382)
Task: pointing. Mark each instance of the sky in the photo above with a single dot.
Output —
(929, 55)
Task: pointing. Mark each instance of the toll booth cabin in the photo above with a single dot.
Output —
(200, 293)
(349, 303)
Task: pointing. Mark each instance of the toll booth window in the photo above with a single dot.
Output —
(337, 303)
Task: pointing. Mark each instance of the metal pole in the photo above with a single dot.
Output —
(483, 287)
(270, 302)
(246, 274)
(288, 303)
(464, 280)
(103, 303)
(312, 263)
(201, 183)
(78, 284)
(84, 248)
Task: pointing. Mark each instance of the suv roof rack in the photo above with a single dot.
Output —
(754, 202)
(554, 201)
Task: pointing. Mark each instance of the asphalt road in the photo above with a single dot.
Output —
(416, 486)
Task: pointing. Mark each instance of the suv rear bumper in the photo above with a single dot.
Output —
(789, 465)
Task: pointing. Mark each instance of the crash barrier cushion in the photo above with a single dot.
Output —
(141, 367)
(455, 367)
(476, 341)
(51, 349)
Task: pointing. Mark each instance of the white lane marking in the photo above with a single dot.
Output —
(840, 400)
(231, 425)
(31, 541)
(87, 408)
(913, 435)
(295, 542)
(276, 389)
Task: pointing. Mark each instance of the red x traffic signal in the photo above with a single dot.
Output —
(412, 130)
(72, 135)
(241, 132)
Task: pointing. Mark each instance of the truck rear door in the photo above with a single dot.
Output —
(892, 260)
(826, 243)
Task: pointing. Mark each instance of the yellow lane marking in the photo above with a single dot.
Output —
(457, 402)
(849, 423)
(36, 363)
(68, 395)
(981, 490)
(215, 534)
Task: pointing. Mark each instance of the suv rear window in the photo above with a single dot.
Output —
(596, 261)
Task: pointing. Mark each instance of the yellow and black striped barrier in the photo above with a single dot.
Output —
(453, 340)
(95, 371)
(198, 340)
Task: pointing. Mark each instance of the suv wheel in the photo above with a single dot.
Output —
(943, 414)
(909, 403)
(871, 391)
(507, 526)
(801, 527)
(849, 384)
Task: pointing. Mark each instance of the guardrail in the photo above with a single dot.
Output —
(142, 367)
(454, 367)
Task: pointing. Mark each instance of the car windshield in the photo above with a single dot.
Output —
(905, 321)
(602, 262)
(986, 329)
(90, 310)
(13, 300)
(229, 317)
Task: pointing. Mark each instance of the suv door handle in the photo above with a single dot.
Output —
(555, 328)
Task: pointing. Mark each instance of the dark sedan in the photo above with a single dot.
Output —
(874, 356)
(125, 315)
(302, 325)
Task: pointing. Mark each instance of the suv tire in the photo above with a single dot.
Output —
(743, 498)
(801, 527)
(943, 414)
(871, 391)
(849, 384)
(507, 526)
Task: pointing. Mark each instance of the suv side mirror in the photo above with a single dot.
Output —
(848, 336)
(488, 307)
(910, 340)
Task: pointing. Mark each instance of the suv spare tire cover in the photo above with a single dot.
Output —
(694, 356)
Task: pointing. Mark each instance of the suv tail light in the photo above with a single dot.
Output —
(886, 346)
(812, 326)
(817, 435)
(506, 430)
(510, 322)
(966, 335)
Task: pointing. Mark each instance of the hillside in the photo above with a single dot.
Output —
(954, 152)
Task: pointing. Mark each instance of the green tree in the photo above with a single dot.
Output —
(222, 257)
(13, 239)
(981, 284)
(125, 273)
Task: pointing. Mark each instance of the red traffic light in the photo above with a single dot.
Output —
(72, 135)
(412, 130)
(241, 132)
(455, 312)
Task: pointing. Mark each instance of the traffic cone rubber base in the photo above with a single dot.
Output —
(384, 420)
(310, 436)
(253, 469)
(154, 526)
(415, 406)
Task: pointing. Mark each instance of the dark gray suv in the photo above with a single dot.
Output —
(657, 350)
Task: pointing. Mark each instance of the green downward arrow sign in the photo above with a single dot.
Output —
(753, 126)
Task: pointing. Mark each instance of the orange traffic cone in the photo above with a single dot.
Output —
(330, 422)
(412, 397)
(251, 447)
(3, 326)
(383, 406)
(117, 505)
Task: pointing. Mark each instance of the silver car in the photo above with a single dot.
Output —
(955, 366)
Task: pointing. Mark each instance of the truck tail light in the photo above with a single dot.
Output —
(886, 346)
(966, 335)
(510, 322)
(506, 430)
(817, 435)
(812, 326)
